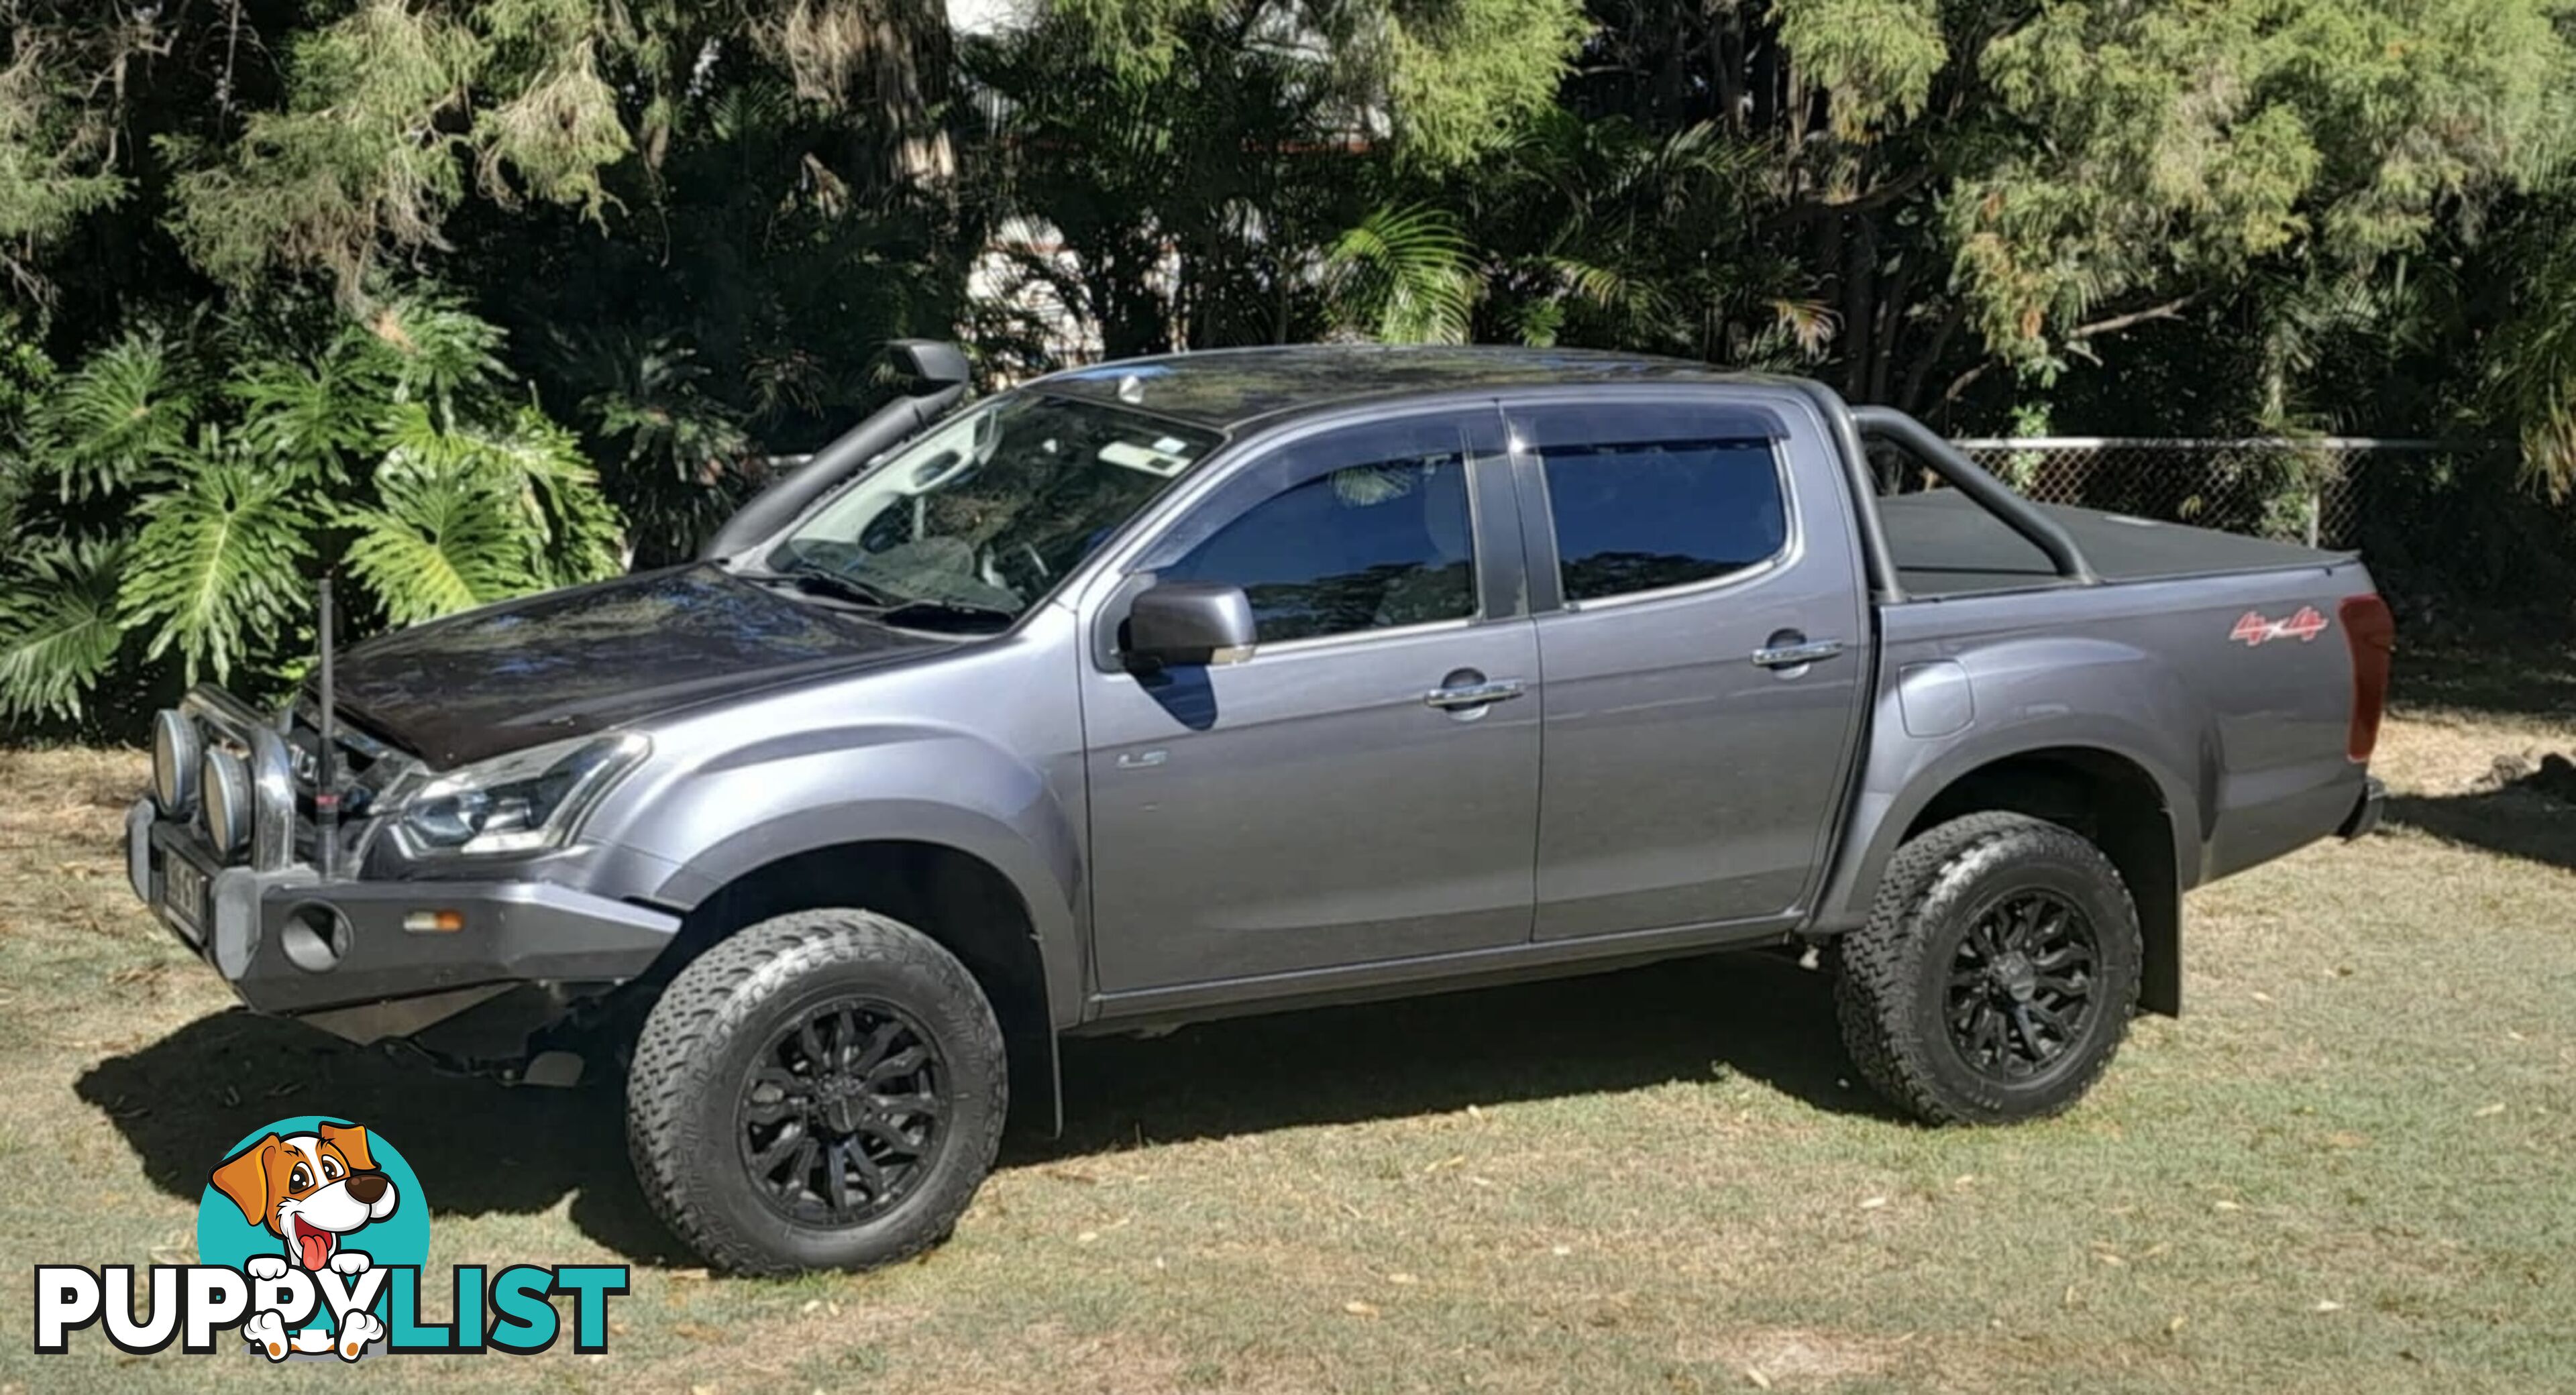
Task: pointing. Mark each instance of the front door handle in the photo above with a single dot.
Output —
(1796, 651)
(1477, 694)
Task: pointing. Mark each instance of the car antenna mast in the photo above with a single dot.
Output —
(326, 774)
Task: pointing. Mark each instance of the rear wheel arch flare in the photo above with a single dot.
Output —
(2110, 799)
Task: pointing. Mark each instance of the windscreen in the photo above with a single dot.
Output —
(997, 506)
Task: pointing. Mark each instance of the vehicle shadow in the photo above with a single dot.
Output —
(2515, 822)
(1757, 1015)
(479, 1147)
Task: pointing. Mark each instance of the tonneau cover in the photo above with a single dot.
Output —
(1944, 544)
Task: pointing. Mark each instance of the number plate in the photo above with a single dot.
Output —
(183, 894)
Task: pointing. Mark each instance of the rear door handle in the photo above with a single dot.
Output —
(1804, 651)
(1450, 699)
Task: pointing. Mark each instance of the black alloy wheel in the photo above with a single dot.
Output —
(842, 1114)
(1997, 972)
(2021, 985)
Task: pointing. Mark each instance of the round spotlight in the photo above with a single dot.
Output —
(174, 763)
(224, 789)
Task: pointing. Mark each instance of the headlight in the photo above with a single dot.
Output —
(519, 802)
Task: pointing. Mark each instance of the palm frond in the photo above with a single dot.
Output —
(1404, 276)
(565, 528)
(748, 110)
(440, 542)
(59, 630)
(1612, 290)
(649, 394)
(123, 413)
(1536, 323)
(438, 352)
(216, 569)
(311, 416)
(1808, 324)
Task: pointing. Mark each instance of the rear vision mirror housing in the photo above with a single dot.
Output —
(1189, 622)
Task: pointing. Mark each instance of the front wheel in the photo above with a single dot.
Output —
(824, 1090)
(1997, 974)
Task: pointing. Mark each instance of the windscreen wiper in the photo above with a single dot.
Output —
(881, 605)
(828, 583)
(930, 608)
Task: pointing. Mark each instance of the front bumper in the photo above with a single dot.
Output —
(2365, 814)
(340, 955)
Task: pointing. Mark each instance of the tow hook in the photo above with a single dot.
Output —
(550, 1070)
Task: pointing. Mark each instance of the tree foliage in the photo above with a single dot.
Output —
(2163, 144)
(55, 162)
(1444, 79)
(191, 504)
(2527, 375)
(673, 234)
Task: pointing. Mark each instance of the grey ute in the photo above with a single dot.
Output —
(1229, 682)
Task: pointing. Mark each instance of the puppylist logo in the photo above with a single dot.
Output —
(313, 1237)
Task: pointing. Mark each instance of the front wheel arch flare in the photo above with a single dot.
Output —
(961, 901)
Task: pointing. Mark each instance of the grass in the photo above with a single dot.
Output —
(2344, 1170)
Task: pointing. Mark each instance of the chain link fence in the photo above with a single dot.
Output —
(2443, 524)
(2314, 490)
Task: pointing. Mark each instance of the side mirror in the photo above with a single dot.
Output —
(935, 363)
(1189, 622)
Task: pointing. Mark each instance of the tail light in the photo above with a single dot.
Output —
(2372, 634)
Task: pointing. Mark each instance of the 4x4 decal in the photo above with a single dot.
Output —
(2253, 629)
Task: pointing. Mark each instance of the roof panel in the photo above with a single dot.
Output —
(1225, 387)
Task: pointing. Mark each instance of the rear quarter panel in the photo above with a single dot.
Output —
(2245, 737)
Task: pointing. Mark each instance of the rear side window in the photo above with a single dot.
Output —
(1637, 514)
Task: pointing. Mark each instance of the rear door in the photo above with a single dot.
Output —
(1703, 635)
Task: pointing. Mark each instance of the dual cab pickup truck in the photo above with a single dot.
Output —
(1229, 682)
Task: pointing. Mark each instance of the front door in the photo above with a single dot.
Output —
(1705, 650)
(1365, 786)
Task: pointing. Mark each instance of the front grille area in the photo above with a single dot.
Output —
(372, 777)
(365, 764)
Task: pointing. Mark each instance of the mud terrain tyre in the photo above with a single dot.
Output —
(824, 1090)
(1997, 974)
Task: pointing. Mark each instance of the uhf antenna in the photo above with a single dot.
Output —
(326, 773)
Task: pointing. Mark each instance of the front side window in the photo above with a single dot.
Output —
(994, 508)
(1368, 532)
(1641, 510)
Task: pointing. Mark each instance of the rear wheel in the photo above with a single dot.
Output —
(824, 1090)
(1997, 974)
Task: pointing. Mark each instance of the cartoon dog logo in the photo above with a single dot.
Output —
(311, 1190)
